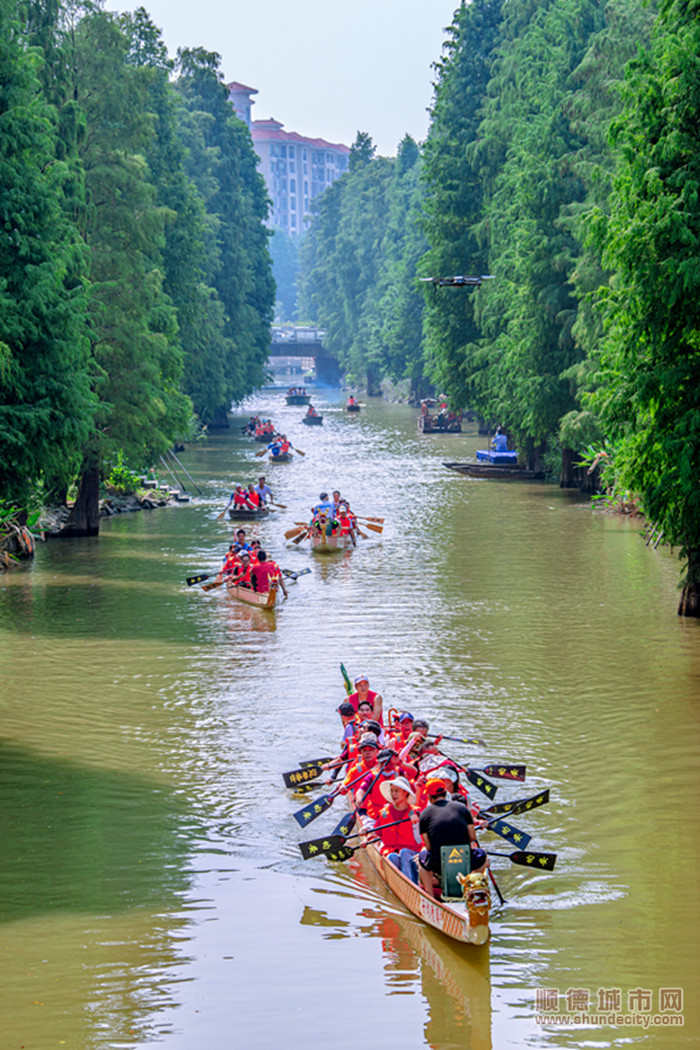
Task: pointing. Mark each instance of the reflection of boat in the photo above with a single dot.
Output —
(242, 514)
(298, 399)
(260, 599)
(493, 470)
(465, 920)
(329, 544)
(312, 421)
(443, 969)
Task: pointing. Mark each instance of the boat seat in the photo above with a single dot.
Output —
(455, 860)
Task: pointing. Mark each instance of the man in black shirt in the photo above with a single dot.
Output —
(444, 823)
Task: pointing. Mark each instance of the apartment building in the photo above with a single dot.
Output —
(295, 168)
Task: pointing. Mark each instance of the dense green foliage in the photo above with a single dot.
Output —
(135, 280)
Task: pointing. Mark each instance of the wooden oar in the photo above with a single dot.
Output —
(259, 454)
(220, 517)
(298, 450)
(282, 506)
(212, 585)
(496, 887)
(373, 528)
(516, 805)
(359, 532)
(294, 532)
(366, 517)
(529, 859)
(301, 536)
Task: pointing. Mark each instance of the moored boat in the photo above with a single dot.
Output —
(261, 599)
(493, 470)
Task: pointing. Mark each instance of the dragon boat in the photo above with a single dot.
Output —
(260, 599)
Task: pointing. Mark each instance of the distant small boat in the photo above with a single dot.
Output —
(353, 407)
(244, 514)
(437, 425)
(312, 421)
(493, 470)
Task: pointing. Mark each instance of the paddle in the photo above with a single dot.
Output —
(480, 782)
(220, 517)
(372, 528)
(318, 806)
(529, 859)
(212, 585)
(294, 576)
(334, 842)
(294, 532)
(316, 761)
(282, 506)
(310, 771)
(516, 805)
(359, 532)
(513, 771)
(366, 517)
(199, 579)
(302, 536)
(496, 887)
(298, 450)
(508, 832)
(474, 741)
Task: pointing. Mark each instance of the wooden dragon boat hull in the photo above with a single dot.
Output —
(468, 924)
(330, 544)
(241, 514)
(312, 421)
(298, 399)
(260, 599)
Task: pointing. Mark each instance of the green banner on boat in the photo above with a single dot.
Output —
(455, 860)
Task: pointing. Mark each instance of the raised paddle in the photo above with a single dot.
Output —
(510, 771)
(529, 859)
(477, 779)
(302, 536)
(294, 532)
(316, 761)
(346, 679)
(520, 805)
(294, 576)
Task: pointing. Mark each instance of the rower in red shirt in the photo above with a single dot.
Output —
(264, 572)
(400, 843)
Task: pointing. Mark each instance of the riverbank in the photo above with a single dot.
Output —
(53, 519)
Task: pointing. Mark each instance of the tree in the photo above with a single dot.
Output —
(45, 405)
(649, 384)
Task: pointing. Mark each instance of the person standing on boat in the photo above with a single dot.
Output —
(401, 843)
(264, 491)
(444, 823)
(363, 692)
(264, 572)
(500, 441)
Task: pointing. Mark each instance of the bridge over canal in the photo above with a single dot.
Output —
(305, 342)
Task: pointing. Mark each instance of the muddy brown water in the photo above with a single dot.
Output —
(151, 889)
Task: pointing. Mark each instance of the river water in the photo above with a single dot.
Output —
(151, 889)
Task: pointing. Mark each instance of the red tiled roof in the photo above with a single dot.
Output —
(271, 131)
(235, 86)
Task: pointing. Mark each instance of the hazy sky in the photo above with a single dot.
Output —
(325, 68)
